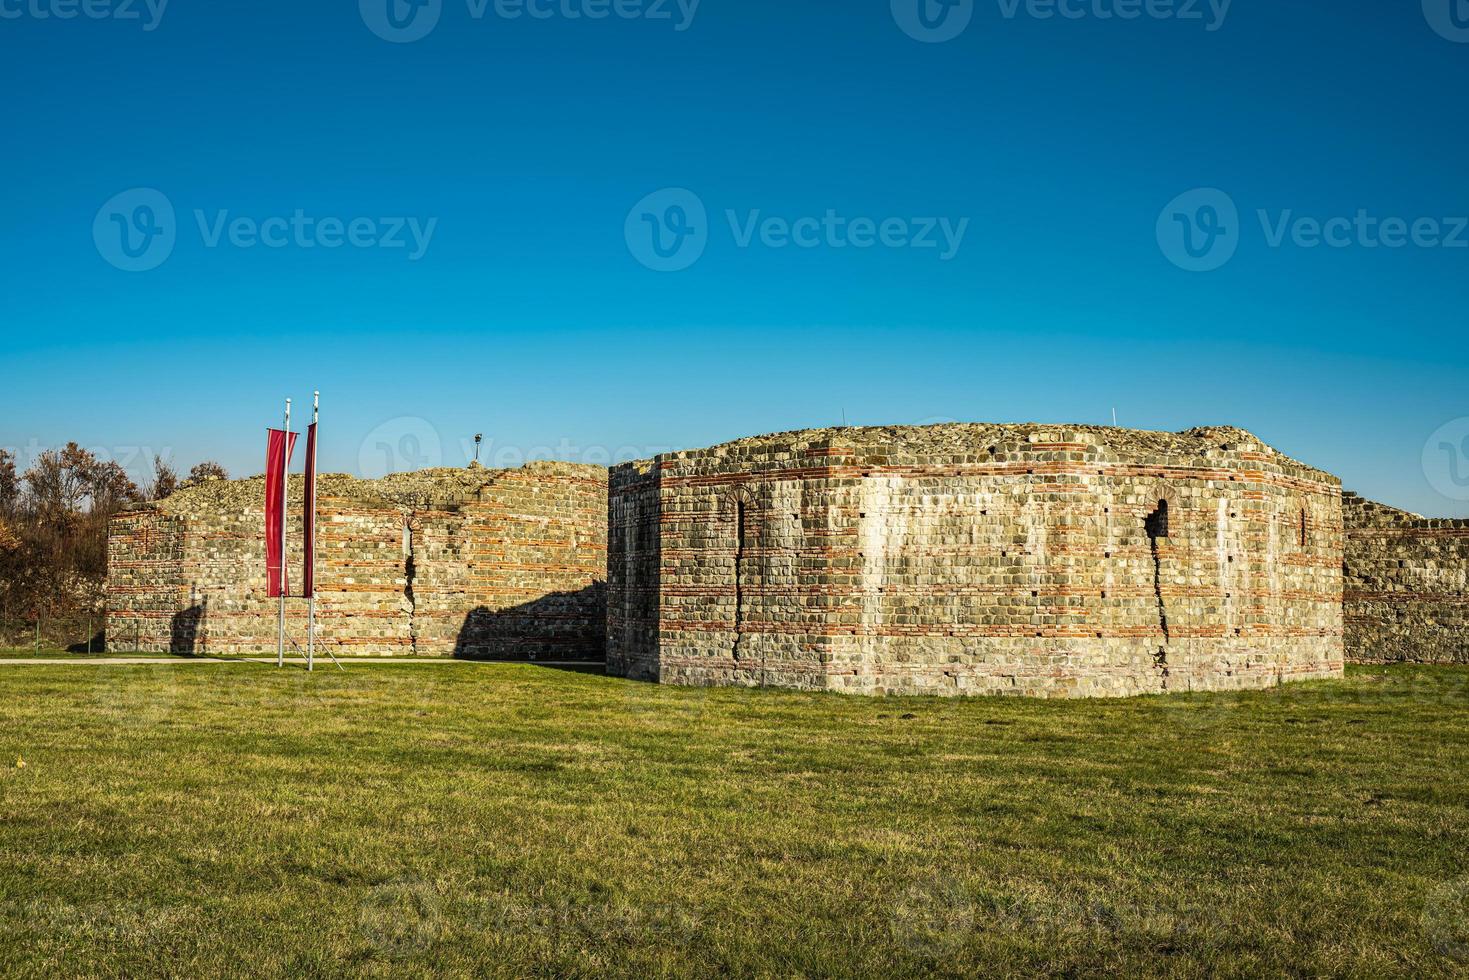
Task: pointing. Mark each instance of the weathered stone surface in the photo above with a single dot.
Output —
(965, 559)
(1407, 585)
(472, 562)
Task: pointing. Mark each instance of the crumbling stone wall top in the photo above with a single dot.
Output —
(968, 442)
(1406, 584)
(1360, 512)
(420, 489)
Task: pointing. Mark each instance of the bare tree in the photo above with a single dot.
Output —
(207, 470)
(69, 497)
(165, 480)
(9, 484)
(56, 483)
(9, 539)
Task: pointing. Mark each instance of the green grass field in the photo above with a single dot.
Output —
(466, 819)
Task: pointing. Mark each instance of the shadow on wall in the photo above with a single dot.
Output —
(97, 644)
(557, 626)
(183, 633)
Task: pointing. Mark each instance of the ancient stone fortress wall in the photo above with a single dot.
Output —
(472, 563)
(965, 559)
(1407, 585)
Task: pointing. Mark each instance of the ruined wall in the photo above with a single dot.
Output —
(1045, 560)
(633, 531)
(473, 563)
(1407, 585)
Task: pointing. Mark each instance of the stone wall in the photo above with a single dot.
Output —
(1407, 585)
(1043, 560)
(632, 571)
(471, 563)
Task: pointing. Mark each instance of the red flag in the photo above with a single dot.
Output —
(277, 460)
(308, 580)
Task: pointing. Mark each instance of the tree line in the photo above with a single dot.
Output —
(53, 528)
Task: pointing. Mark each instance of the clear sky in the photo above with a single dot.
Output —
(1067, 278)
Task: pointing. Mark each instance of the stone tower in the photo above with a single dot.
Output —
(972, 559)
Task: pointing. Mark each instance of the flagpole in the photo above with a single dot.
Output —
(280, 643)
(311, 606)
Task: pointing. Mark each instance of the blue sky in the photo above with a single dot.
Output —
(524, 150)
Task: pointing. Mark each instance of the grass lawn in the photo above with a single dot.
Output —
(472, 819)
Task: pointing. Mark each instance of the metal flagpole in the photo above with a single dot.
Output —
(311, 607)
(280, 643)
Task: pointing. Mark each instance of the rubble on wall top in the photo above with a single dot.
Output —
(1362, 513)
(420, 488)
(967, 438)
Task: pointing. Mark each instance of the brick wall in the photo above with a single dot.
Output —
(1407, 585)
(632, 571)
(474, 563)
(977, 559)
